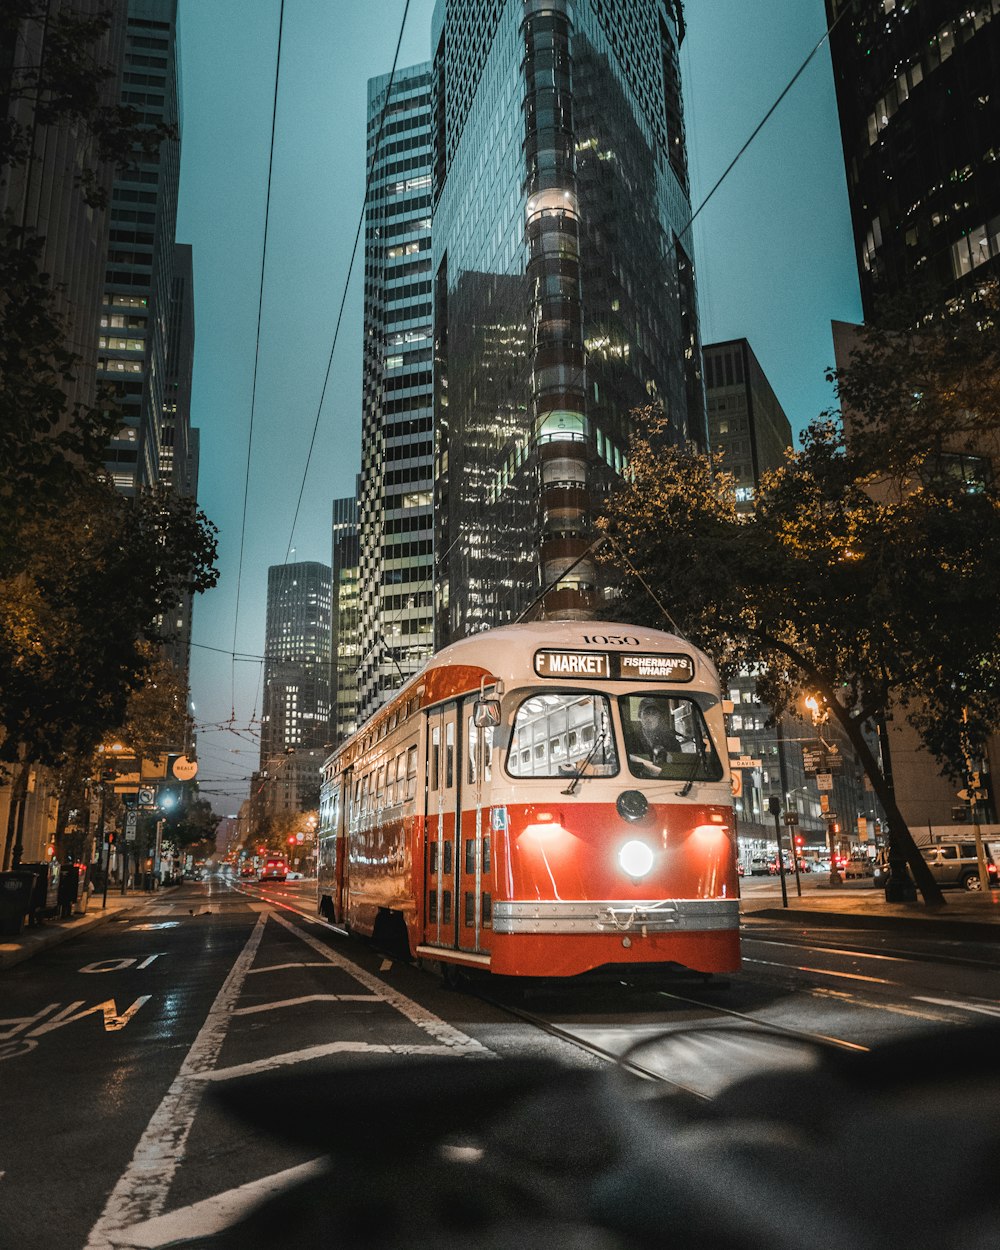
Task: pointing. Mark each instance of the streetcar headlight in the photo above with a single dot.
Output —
(635, 858)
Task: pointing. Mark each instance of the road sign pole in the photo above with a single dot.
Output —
(774, 806)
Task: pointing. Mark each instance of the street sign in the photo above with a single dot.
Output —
(146, 796)
(824, 804)
(824, 781)
(130, 823)
(744, 761)
(183, 768)
(791, 818)
(736, 783)
(971, 796)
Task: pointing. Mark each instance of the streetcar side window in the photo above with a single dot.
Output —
(435, 756)
(380, 787)
(556, 733)
(449, 730)
(411, 772)
(666, 737)
(401, 790)
(487, 733)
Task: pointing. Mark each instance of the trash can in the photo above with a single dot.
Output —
(17, 889)
(69, 889)
(45, 900)
(83, 891)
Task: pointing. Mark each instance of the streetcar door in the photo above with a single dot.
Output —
(443, 788)
(475, 868)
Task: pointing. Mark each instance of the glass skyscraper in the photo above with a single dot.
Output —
(920, 119)
(395, 575)
(563, 288)
(296, 711)
(344, 644)
(136, 305)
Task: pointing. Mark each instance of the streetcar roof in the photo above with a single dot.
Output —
(508, 653)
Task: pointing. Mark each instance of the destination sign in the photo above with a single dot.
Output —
(615, 666)
(655, 667)
(571, 664)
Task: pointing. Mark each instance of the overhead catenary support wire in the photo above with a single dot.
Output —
(718, 183)
(764, 120)
(256, 358)
(350, 269)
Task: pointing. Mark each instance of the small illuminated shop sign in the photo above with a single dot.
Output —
(614, 666)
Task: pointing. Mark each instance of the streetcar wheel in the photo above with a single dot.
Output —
(972, 882)
(454, 977)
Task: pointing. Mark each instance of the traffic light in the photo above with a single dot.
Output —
(291, 840)
(108, 771)
(799, 840)
(112, 837)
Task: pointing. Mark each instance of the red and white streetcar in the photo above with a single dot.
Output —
(541, 800)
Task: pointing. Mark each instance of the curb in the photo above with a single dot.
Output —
(30, 942)
(937, 924)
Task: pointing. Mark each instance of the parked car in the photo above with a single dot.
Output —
(956, 864)
(952, 865)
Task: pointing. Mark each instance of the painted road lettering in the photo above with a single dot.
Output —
(119, 965)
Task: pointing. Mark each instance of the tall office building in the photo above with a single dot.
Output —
(563, 288)
(136, 303)
(748, 426)
(296, 712)
(44, 195)
(345, 648)
(395, 585)
(920, 119)
(746, 423)
(179, 442)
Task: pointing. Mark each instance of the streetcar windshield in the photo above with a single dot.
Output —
(555, 732)
(666, 737)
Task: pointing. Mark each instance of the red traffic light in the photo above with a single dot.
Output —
(799, 840)
(291, 840)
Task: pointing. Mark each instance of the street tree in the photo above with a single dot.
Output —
(80, 606)
(869, 599)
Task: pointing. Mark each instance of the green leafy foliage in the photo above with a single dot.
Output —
(871, 590)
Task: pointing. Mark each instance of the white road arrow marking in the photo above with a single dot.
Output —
(141, 1191)
(212, 1215)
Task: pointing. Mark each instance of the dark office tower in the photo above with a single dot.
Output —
(345, 647)
(43, 194)
(745, 421)
(564, 289)
(917, 87)
(179, 442)
(296, 713)
(395, 516)
(920, 118)
(137, 292)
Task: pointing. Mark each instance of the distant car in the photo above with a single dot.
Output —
(274, 870)
(248, 870)
(295, 876)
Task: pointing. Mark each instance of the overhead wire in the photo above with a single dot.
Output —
(256, 360)
(244, 657)
(350, 269)
(581, 372)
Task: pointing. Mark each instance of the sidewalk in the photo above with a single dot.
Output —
(50, 932)
(859, 905)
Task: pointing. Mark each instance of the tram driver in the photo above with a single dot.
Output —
(653, 742)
